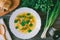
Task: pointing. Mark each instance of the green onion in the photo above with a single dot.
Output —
(31, 25)
(51, 18)
(27, 21)
(24, 28)
(29, 31)
(15, 21)
(22, 16)
(16, 27)
(23, 23)
(28, 14)
(30, 17)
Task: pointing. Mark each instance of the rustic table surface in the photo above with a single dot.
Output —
(37, 37)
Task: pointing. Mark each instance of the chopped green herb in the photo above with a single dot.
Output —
(15, 21)
(41, 5)
(29, 31)
(31, 25)
(24, 28)
(23, 23)
(28, 14)
(24, 16)
(16, 27)
(30, 17)
(27, 21)
(51, 18)
(21, 16)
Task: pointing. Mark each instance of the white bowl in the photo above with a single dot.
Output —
(34, 32)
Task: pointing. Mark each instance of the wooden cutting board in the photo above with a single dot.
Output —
(15, 4)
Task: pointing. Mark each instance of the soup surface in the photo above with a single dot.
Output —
(25, 22)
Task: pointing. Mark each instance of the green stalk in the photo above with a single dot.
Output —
(51, 19)
(57, 13)
(54, 15)
(47, 18)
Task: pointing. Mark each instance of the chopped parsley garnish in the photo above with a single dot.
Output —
(15, 21)
(30, 17)
(28, 14)
(16, 27)
(23, 23)
(29, 31)
(27, 21)
(21, 16)
(31, 25)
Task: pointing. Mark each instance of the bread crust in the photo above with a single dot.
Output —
(15, 4)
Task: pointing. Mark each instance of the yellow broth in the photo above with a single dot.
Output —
(25, 22)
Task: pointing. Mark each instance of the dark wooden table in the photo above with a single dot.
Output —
(37, 37)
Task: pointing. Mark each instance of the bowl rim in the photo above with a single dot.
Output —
(36, 29)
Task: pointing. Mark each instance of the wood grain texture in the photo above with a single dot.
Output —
(15, 4)
(57, 23)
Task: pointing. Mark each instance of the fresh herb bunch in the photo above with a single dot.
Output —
(42, 5)
(51, 17)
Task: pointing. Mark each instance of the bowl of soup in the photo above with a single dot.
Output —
(25, 23)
